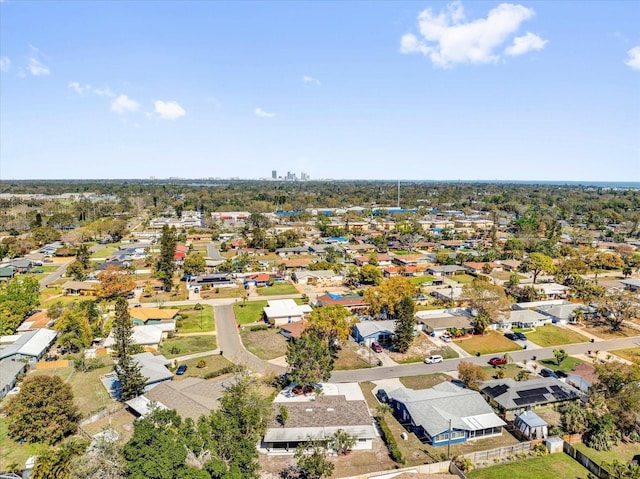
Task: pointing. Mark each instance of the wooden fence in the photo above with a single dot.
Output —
(500, 453)
(586, 461)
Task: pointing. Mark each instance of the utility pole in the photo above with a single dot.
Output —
(449, 441)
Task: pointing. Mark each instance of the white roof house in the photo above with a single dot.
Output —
(153, 367)
(31, 345)
(283, 311)
(149, 336)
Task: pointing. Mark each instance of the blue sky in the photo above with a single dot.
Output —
(346, 90)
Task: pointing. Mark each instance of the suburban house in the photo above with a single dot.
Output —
(293, 330)
(297, 263)
(149, 337)
(22, 265)
(352, 303)
(381, 331)
(217, 280)
(77, 288)
(510, 264)
(523, 318)
(30, 346)
(7, 273)
(283, 311)
(445, 414)
(190, 397)
(448, 294)
(9, 372)
(154, 368)
(155, 285)
(445, 270)
(565, 312)
(148, 316)
(631, 284)
(317, 278)
(551, 290)
(263, 279)
(582, 376)
(512, 397)
(531, 425)
(481, 267)
(36, 321)
(437, 321)
(319, 417)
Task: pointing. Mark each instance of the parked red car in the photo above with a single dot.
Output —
(376, 347)
(497, 361)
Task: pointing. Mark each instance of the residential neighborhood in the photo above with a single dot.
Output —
(352, 333)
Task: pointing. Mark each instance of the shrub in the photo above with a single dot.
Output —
(201, 364)
(390, 441)
(174, 350)
(259, 327)
(540, 450)
(198, 307)
(463, 463)
(220, 372)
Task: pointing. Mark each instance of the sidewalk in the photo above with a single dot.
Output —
(581, 331)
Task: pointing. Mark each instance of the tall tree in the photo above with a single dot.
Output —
(538, 263)
(194, 264)
(489, 301)
(131, 381)
(57, 462)
(74, 332)
(43, 411)
(310, 359)
(166, 263)
(312, 460)
(333, 322)
(405, 322)
(115, 282)
(384, 298)
(615, 309)
(471, 374)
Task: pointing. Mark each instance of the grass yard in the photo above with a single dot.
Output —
(604, 331)
(418, 280)
(489, 343)
(162, 297)
(632, 354)
(553, 466)
(623, 452)
(121, 421)
(194, 321)
(348, 358)
(216, 293)
(13, 453)
(567, 365)
(462, 278)
(550, 335)
(104, 252)
(249, 312)
(277, 289)
(183, 345)
(424, 381)
(505, 275)
(267, 344)
(510, 370)
(214, 363)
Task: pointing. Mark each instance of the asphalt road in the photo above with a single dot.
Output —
(60, 272)
(231, 346)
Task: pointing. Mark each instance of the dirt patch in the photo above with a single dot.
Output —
(422, 347)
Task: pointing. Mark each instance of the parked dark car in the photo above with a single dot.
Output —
(382, 396)
(376, 347)
(497, 361)
(561, 374)
(548, 373)
(521, 336)
(181, 369)
(511, 336)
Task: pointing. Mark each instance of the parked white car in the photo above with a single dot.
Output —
(436, 358)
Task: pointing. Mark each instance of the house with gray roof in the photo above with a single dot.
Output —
(564, 313)
(631, 284)
(9, 372)
(319, 416)
(30, 346)
(512, 397)
(445, 270)
(523, 318)
(445, 413)
(438, 321)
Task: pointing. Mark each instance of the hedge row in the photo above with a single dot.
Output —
(390, 441)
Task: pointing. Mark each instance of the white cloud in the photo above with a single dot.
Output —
(310, 79)
(169, 110)
(36, 67)
(263, 114)
(524, 44)
(5, 64)
(633, 60)
(104, 92)
(447, 38)
(124, 104)
(79, 89)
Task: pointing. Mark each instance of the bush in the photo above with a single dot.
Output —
(259, 327)
(540, 450)
(201, 364)
(220, 372)
(174, 350)
(198, 307)
(463, 463)
(390, 441)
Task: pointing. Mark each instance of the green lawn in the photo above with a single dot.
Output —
(632, 354)
(623, 452)
(462, 278)
(104, 252)
(266, 344)
(249, 312)
(550, 335)
(567, 365)
(12, 452)
(418, 280)
(446, 352)
(348, 358)
(213, 364)
(277, 289)
(217, 293)
(489, 343)
(510, 370)
(194, 321)
(424, 381)
(553, 466)
(181, 346)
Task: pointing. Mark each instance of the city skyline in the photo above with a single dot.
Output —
(413, 90)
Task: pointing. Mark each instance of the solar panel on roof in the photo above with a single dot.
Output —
(533, 392)
(556, 388)
(560, 395)
(498, 390)
(523, 401)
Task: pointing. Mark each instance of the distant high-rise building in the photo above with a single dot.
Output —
(274, 175)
